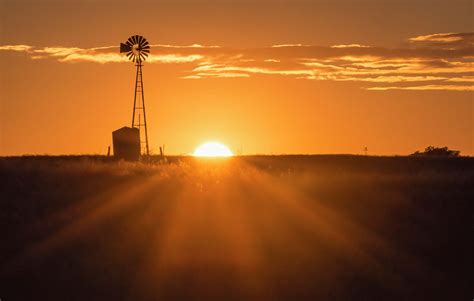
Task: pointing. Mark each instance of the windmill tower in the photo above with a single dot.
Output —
(137, 49)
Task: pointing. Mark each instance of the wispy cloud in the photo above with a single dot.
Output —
(185, 46)
(425, 88)
(21, 48)
(200, 75)
(451, 39)
(443, 37)
(465, 79)
(288, 45)
(103, 55)
(442, 61)
(350, 46)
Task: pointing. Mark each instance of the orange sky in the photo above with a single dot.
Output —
(395, 76)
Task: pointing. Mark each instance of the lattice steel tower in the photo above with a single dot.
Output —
(137, 50)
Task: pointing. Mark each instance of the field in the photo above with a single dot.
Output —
(244, 228)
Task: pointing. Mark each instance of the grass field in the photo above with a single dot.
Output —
(243, 228)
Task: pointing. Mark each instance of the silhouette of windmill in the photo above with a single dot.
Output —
(137, 49)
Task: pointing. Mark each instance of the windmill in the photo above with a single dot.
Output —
(137, 49)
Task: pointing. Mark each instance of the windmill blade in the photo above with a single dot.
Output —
(136, 48)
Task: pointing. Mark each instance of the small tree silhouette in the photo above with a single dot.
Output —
(437, 151)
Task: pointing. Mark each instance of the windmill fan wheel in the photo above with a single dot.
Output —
(136, 48)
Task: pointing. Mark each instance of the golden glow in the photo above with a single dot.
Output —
(212, 149)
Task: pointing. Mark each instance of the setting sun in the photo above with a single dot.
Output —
(212, 149)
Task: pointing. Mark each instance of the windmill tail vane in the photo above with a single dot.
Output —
(137, 49)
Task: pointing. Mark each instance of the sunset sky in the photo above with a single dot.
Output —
(262, 77)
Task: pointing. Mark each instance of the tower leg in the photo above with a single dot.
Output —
(135, 97)
(139, 108)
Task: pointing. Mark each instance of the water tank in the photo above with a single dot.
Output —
(126, 143)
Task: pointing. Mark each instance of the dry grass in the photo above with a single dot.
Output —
(260, 228)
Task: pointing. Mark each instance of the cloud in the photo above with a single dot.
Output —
(186, 46)
(465, 79)
(394, 79)
(442, 37)
(59, 51)
(289, 45)
(350, 46)
(216, 69)
(174, 58)
(103, 55)
(426, 88)
(454, 40)
(20, 48)
(201, 75)
(442, 61)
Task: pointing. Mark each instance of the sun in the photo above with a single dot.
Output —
(212, 149)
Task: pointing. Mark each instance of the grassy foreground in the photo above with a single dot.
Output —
(243, 228)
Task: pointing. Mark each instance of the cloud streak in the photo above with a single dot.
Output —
(438, 37)
(446, 39)
(441, 61)
(426, 88)
(102, 55)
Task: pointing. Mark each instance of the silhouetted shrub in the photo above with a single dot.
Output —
(438, 151)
